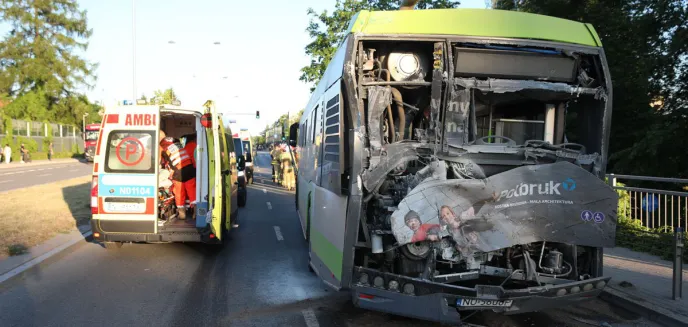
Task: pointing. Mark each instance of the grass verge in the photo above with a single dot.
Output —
(36, 214)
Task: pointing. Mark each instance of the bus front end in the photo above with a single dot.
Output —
(91, 133)
(481, 176)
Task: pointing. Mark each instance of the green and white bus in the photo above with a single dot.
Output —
(453, 160)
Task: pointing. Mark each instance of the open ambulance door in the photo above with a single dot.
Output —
(227, 176)
(215, 169)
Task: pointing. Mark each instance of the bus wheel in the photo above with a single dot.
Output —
(112, 245)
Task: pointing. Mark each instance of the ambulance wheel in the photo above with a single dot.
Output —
(112, 245)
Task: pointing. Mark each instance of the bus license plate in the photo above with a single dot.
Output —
(484, 303)
(125, 207)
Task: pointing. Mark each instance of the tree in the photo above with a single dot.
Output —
(646, 45)
(328, 29)
(39, 70)
(164, 97)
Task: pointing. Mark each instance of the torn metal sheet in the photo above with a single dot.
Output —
(379, 97)
(392, 156)
(557, 202)
(504, 85)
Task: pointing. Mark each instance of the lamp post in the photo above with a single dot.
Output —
(84, 119)
(133, 40)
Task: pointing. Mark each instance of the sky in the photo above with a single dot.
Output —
(255, 66)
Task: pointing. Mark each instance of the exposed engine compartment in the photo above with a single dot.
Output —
(474, 152)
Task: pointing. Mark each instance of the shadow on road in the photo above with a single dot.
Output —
(78, 200)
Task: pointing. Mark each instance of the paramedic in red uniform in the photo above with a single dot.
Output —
(183, 173)
(190, 147)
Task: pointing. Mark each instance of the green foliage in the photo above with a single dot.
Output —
(75, 148)
(29, 144)
(163, 97)
(40, 71)
(329, 29)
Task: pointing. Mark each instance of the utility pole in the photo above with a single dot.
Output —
(133, 38)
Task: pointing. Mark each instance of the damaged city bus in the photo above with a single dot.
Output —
(136, 198)
(453, 160)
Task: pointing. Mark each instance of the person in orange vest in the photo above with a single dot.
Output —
(183, 174)
(190, 147)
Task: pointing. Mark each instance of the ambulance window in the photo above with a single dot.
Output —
(131, 152)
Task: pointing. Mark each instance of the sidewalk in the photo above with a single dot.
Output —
(649, 291)
(18, 164)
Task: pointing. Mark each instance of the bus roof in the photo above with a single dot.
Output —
(475, 22)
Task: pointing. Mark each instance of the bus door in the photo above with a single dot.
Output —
(127, 172)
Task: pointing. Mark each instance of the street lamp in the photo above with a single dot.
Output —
(133, 39)
(84, 119)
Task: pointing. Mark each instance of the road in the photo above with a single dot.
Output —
(27, 175)
(260, 279)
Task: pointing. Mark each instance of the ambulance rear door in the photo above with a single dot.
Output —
(215, 171)
(127, 169)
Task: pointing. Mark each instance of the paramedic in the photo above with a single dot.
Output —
(190, 147)
(183, 174)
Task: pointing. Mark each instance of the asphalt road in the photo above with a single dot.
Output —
(29, 175)
(260, 279)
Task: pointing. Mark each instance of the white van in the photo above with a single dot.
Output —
(129, 195)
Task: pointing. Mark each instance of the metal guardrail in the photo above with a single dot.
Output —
(663, 210)
(653, 208)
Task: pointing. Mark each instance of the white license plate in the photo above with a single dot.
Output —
(484, 303)
(125, 207)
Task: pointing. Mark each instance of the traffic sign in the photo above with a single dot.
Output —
(130, 146)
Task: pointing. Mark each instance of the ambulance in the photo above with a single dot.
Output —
(249, 153)
(131, 195)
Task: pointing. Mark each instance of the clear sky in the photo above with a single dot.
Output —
(260, 53)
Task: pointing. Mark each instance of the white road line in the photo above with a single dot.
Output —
(5, 181)
(278, 233)
(73, 170)
(311, 319)
(269, 206)
(43, 175)
(265, 191)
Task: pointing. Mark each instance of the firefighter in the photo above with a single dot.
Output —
(183, 174)
(287, 170)
(275, 154)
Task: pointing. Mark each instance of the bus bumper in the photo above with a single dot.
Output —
(445, 303)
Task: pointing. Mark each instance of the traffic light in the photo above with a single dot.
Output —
(257, 114)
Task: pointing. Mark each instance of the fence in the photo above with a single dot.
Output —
(64, 136)
(658, 209)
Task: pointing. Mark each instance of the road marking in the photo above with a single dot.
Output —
(311, 319)
(73, 170)
(278, 233)
(265, 191)
(269, 206)
(43, 175)
(5, 181)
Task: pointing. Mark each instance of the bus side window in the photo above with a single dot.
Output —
(314, 116)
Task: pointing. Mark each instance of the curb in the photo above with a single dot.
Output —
(648, 310)
(37, 260)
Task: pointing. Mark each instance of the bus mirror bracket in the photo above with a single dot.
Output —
(293, 133)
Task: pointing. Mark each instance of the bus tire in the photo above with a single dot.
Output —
(112, 245)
